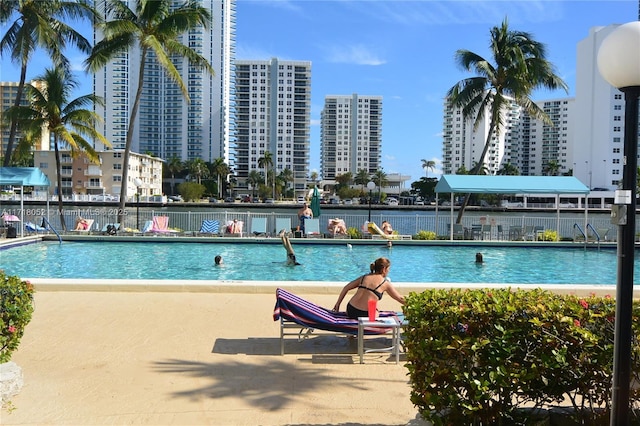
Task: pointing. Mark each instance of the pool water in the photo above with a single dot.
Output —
(266, 262)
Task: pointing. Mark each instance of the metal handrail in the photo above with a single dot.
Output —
(45, 220)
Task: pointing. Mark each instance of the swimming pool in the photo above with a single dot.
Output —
(324, 263)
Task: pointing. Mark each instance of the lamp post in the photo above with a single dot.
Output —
(370, 186)
(619, 64)
(138, 183)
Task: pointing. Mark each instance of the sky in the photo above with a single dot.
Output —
(400, 50)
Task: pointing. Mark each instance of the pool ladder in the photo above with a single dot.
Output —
(44, 220)
(584, 234)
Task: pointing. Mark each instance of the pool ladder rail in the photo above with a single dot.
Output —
(581, 234)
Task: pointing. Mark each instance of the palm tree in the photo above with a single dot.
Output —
(38, 25)
(362, 178)
(380, 177)
(67, 121)
(254, 178)
(552, 168)
(521, 67)
(174, 165)
(198, 168)
(265, 163)
(153, 28)
(286, 176)
(220, 170)
(509, 169)
(428, 165)
(314, 177)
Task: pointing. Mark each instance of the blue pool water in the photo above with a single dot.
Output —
(265, 262)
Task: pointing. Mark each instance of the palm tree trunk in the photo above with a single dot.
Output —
(59, 179)
(477, 168)
(14, 123)
(127, 148)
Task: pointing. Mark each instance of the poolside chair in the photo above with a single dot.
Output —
(234, 228)
(147, 227)
(485, 232)
(259, 226)
(110, 229)
(33, 228)
(458, 231)
(87, 229)
(337, 228)
(312, 228)
(209, 227)
(161, 225)
(283, 223)
(306, 317)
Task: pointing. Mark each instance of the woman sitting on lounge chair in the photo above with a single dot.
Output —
(81, 224)
(337, 227)
(369, 287)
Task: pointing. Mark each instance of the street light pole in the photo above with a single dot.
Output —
(618, 60)
(138, 183)
(370, 186)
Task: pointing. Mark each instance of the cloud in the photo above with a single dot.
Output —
(357, 54)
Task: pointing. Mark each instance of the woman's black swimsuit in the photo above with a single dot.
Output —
(373, 290)
(353, 312)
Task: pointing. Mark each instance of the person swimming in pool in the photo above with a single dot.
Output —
(369, 287)
(291, 256)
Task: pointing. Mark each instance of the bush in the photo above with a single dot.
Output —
(191, 191)
(354, 233)
(16, 308)
(548, 235)
(480, 356)
(425, 235)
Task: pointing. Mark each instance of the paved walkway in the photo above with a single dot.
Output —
(162, 358)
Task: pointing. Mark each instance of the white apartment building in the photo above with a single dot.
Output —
(166, 125)
(463, 144)
(535, 146)
(273, 114)
(350, 135)
(599, 134)
(82, 177)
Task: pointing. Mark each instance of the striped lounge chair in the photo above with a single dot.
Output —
(210, 227)
(306, 317)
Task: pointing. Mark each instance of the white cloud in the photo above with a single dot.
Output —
(353, 54)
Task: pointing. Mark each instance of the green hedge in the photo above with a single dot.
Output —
(481, 356)
(16, 308)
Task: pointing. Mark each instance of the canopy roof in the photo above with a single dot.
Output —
(511, 184)
(23, 176)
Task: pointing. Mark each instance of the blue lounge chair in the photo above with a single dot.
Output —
(210, 227)
(295, 312)
(312, 228)
(283, 223)
(33, 228)
(259, 226)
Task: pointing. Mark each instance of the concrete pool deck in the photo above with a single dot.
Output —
(162, 358)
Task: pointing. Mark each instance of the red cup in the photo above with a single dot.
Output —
(372, 309)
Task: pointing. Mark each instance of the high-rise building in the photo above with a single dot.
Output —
(167, 125)
(599, 131)
(8, 93)
(351, 135)
(463, 143)
(273, 114)
(537, 148)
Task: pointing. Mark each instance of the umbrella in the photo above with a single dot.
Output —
(315, 202)
(10, 218)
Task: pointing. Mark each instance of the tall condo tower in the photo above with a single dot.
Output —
(273, 114)
(166, 125)
(351, 135)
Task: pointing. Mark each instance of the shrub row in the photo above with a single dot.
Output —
(481, 356)
(16, 308)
